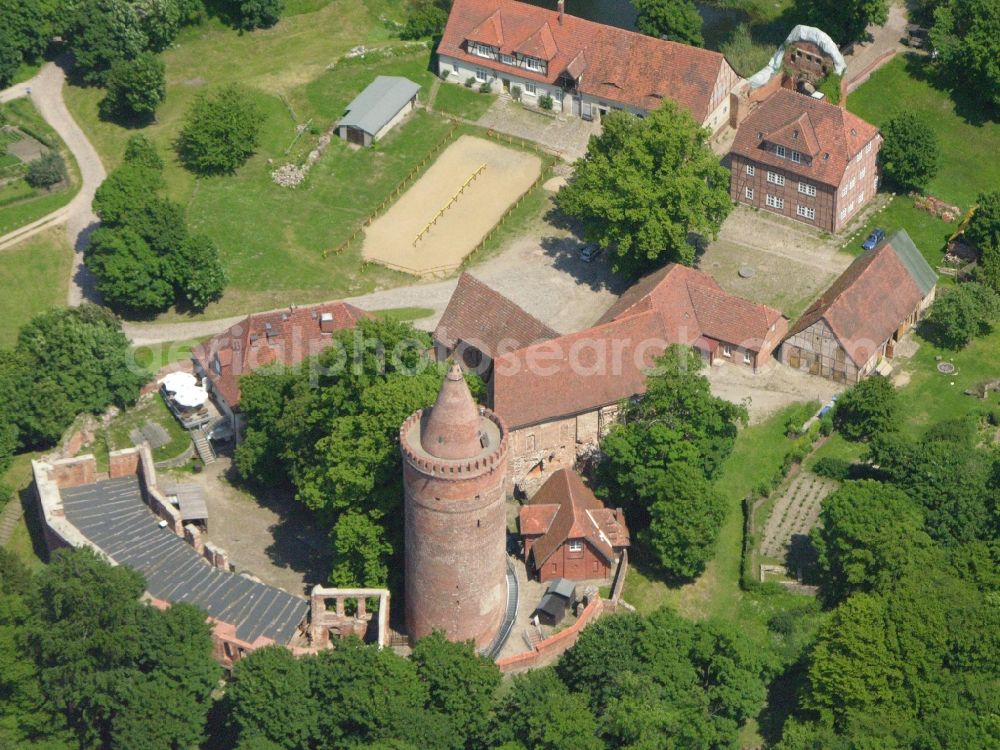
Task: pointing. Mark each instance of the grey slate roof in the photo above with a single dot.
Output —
(379, 103)
(920, 271)
(113, 516)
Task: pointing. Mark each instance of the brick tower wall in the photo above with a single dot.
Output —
(455, 529)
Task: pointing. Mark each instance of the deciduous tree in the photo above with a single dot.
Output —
(869, 407)
(910, 154)
(134, 88)
(966, 37)
(961, 314)
(220, 131)
(645, 185)
(677, 20)
(846, 21)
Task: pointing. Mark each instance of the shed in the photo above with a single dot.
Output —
(563, 588)
(377, 109)
(189, 499)
(551, 609)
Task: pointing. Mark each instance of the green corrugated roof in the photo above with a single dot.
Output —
(921, 273)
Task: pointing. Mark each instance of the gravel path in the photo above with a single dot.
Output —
(46, 93)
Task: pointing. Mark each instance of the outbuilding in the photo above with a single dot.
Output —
(378, 109)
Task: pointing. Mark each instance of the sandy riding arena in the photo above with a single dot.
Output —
(444, 214)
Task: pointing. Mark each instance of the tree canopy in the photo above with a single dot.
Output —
(966, 37)
(676, 20)
(961, 314)
(220, 132)
(645, 185)
(910, 154)
(846, 22)
(135, 88)
(869, 407)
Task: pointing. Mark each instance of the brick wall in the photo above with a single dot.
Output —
(823, 203)
(546, 651)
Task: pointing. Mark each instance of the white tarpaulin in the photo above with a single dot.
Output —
(178, 381)
(191, 397)
(800, 34)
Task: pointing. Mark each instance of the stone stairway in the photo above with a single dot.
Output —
(11, 514)
(201, 444)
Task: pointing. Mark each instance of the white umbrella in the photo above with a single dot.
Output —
(191, 397)
(178, 381)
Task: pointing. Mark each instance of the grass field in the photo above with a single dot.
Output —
(272, 239)
(21, 203)
(929, 233)
(968, 148)
(34, 276)
(459, 101)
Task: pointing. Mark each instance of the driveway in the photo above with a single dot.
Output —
(46, 93)
(565, 135)
(883, 39)
(770, 389)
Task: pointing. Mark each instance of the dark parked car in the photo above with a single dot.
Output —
(589, 252)
(873, 239)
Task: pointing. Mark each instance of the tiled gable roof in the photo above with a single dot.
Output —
(839, 135)
(604, 364)
(619, 65)
(288, 336)
(484, 318)
(871, 299)
(565, 508)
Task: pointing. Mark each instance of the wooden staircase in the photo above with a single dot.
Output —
(201, 444)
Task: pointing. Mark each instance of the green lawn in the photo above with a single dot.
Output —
(969, 161)
(930, 396)
(929, 233)
(272, 239)
(26, 541)
(116, 436)
(20, 203)
(453, 99)
(153, 357)
(34, 276)
(836, 447)
(404, 314)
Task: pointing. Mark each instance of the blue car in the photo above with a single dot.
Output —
(873, 239)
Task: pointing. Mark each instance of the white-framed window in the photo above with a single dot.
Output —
(775, 179)
(780, 151)
(481, 74)
(850, 207)
(748, 192)
(796, 157)
(576, 545)
(532, 64)
(861, 197)
(774, 201)
(747, 358)
(843, 213)
(750, 170)
(530, 87)
(868, 147)
(806, 189)
(863, 172)
(727, 350)
(807, 211)
(875, 185)
(852, 183)
(481, 50)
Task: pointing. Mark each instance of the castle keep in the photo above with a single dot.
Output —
(454, 473)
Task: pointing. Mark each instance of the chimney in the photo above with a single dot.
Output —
(562, 9)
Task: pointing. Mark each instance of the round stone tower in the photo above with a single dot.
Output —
(454, 473)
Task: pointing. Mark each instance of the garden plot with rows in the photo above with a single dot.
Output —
(795, 513)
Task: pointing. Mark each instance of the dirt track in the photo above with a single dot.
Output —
(507, 173)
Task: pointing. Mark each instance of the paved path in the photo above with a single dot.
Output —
(884, 39)
(46, 93)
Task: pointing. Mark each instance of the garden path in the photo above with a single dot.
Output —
(46, 91)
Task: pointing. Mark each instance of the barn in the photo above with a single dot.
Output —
(852, 329)
(377, 109)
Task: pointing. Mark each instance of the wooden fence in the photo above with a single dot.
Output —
(395, 192)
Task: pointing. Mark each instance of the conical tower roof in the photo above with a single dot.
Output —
(451, 428)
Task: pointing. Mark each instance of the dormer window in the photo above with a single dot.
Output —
(780, 151)
(507, 60)
(534, 64)
(481, 50)
(796, 157)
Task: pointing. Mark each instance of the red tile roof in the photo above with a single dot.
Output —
(484, 318)
(602, 365)
(288, 336)
(831, 136)
(609, 63)
(565, 508)
(866, 304)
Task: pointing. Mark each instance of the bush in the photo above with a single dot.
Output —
(832, 468)
(220, 131)
(515, 93)
(46, 171)
(256, 14)
(826, 424)
(967, 311)
(485, 88)
(140, 150)
(470, 82)
(425, 18)
(830, 87)
(545, 103)
(868, 408)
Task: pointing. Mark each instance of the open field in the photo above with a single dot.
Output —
(445, 214)
(968, 146)
(20, 203)
(34, 275)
